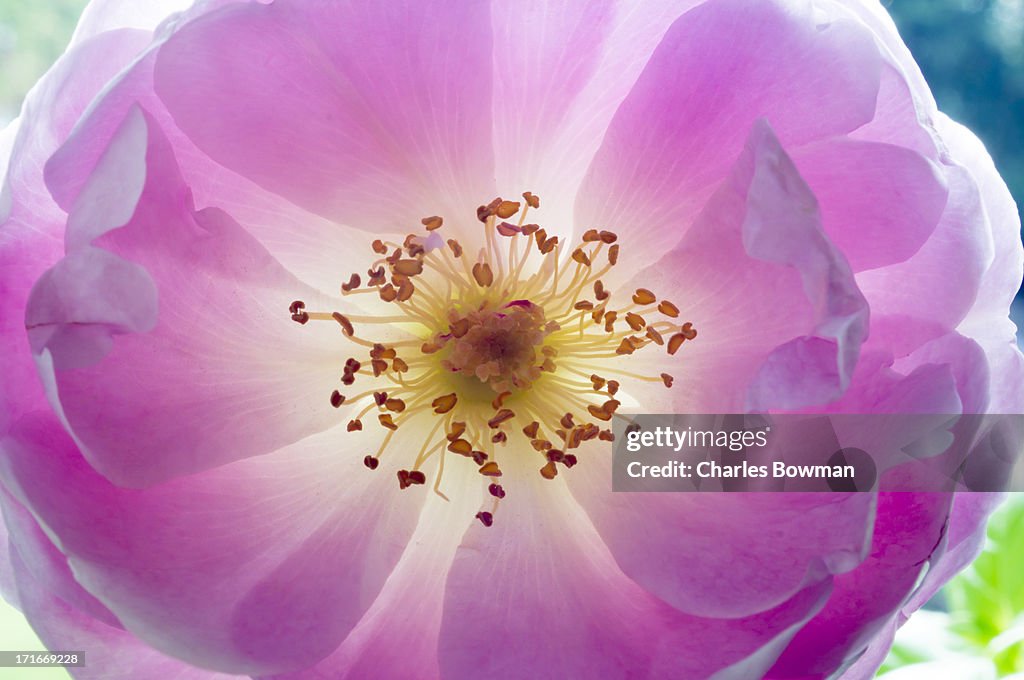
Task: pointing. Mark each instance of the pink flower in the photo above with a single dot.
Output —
(185, 488)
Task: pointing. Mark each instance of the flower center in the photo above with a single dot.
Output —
(519, 345)
(502, 348)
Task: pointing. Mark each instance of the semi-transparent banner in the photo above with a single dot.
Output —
(841, 453)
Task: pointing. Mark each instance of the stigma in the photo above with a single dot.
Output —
(516, 348)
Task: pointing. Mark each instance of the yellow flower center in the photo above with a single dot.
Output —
(516, 351)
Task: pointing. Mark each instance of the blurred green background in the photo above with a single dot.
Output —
(972, 53)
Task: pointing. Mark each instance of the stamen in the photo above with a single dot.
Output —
(509, 342)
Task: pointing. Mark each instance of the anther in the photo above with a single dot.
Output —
(507, 229)
(490, 469)
(613, 255)
(590, 235)
(668, 309)
(479, 457)
(433, 222)
(549, 471)
(354, 425)
(379, 247)
(496, 490)
(299, 315)
(499, 437)
(455, 247)
(531, 200)
(613, 387)
(609, 321)
(396, 405)
(461, 447)
(380, 397)
(416, 477)
(337, 399)
(506, 209)
(667, 379)
(353, 282)
(486, 518)
(409, 267)
(445, 403)
(371, 462)
(635, 321)
(500, 417)
(458, 428)
(386, 420)
(459, 327)
(579, 256)
(345, 324)
(608, 237)
(531, 429)
(483, 274)
(675, 342)
(642, 296)
(388, 293)
(655, 336)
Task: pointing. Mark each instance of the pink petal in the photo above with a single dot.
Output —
(720, 67)
(686, 552)
(908, 529)
(260, 566)
(879, 202)
(922, 287)
(312, 247)
(987, 321)
(966, 362)
(909, 537)
(965, 537)
(111, 15)
(539, 595)
(779, 318)
(561, 69)
(1002, 278)
(375, 131)
(47, 565)
(32, 223)
(109, 651)
(224, 374)
(404, 621)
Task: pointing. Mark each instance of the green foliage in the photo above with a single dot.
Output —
(987, 600)
(985, 621)
(33, 33)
